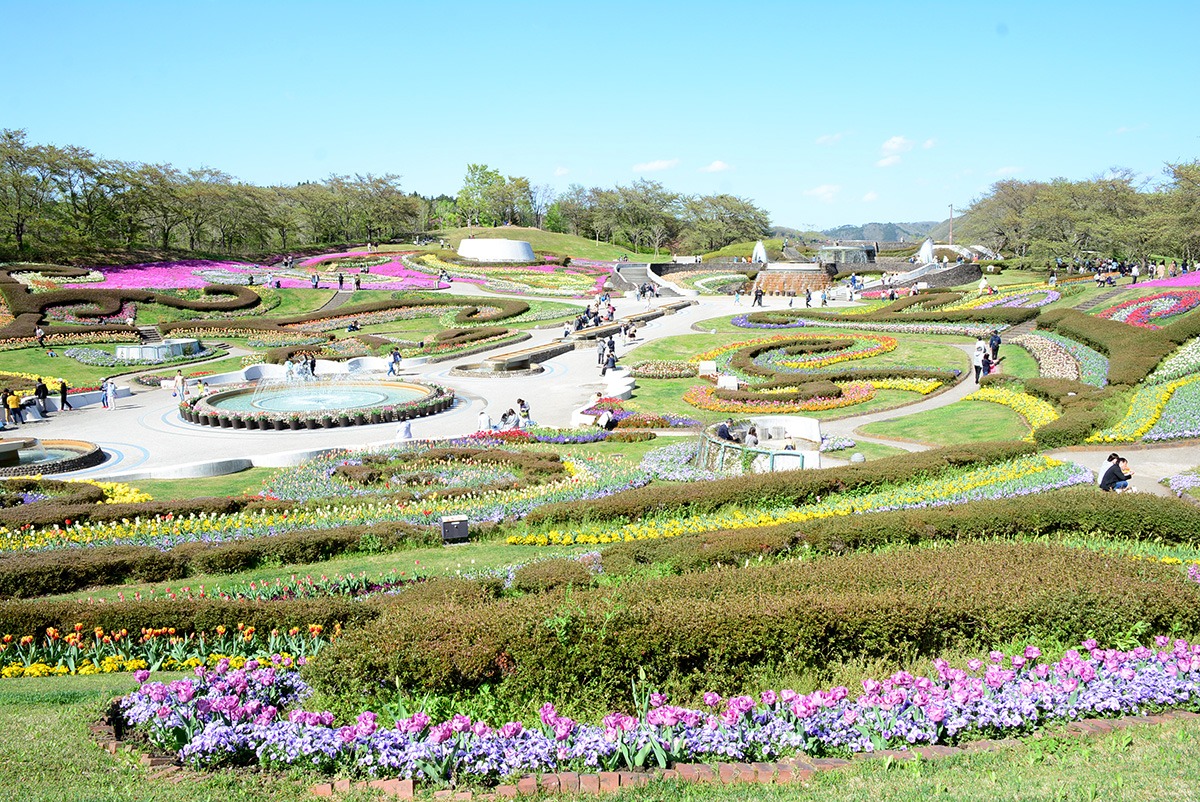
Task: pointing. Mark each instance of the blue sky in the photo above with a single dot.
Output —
(822, 113)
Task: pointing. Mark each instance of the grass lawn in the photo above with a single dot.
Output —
(911, 350)
(77, 374)
(869, 451)
(47, 755)
(242, 483)
(666, 395)
(1017, 362)
(435, 561)
(960, 422)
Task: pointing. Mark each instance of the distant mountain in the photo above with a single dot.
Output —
(883, 232)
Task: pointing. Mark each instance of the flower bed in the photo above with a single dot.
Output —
(580, 279)
(831, 443)
(705, 397)
(1160, 307)
(1018, 477)
(1036, 412)
(1023, 299)
(1184, 362)
(90, 315)
(1180, 417)
(922, 386)
(663, 369)
(229, 717)
(1054, 361)
(59, 340)
(961, 329)
(1144, 411)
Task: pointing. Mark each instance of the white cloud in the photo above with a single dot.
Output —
(896, 144)
(1127, 129)
(717, 166)
(870, 196)
(929, 143)
(829, 139)
(561, 171)
(888, 161)
(824, 193)
(656, 165)
(1007, 171)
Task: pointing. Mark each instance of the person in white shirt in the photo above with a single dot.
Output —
(485, 421)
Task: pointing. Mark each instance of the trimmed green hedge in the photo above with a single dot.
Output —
(1106, 516)
(777, 489)
(28, 575)
(718, 630)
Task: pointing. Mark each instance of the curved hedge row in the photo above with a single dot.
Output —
(717, 630)
(1083, 510)
(778, 489)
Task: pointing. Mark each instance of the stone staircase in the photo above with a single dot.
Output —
(1099, 300)
(791, 282)
(149, 334)
(636, 275)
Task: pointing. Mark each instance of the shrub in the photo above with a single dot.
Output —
(549, 574)
(717, 630)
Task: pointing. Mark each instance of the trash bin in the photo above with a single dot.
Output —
(454, 529)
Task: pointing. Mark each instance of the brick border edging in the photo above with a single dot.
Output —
(788, 770)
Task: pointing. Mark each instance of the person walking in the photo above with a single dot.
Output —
(357, 282)
(994, 344)
(977, 358)
(12, 406)
(394, 362)
(737, 297)
(110, 394)
(601, 350)
(808, 298)
(180, 385)
(63, 403)
(40, 394)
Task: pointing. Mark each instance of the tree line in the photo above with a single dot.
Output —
(1111, 216)
(58, 201)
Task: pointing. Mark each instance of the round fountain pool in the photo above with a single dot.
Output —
(20, 456)
(316, 404)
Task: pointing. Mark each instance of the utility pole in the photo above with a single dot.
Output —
(952, 224)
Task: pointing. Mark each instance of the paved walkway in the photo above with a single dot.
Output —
(145, 434)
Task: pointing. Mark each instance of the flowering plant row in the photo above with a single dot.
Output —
(1180, 418)
(922, 386)
(831, 443)
(58, 340)
(89, 314)
(1184, 362)
(1024, 299)
(100, 652)
(864, 346)
(1054, 361)
(536, 279)
(229, 717)
(1158, 307)
(1018, 477)
(1145, 408)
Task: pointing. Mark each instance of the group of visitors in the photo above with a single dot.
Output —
(517, 418)
(300, 367)
(394, 362)
(986, 356)
(606, 354)
(646, 291)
